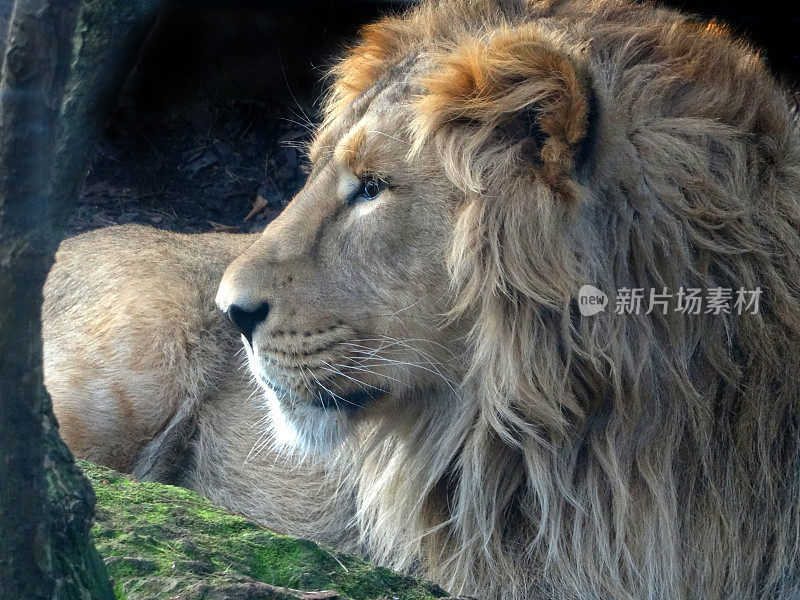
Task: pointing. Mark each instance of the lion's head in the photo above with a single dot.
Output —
(353, 303)
(416, 301)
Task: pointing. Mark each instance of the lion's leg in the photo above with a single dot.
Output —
(234, 462)
(131, 342)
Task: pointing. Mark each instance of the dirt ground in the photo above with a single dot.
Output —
(214, 117)
(199, 171)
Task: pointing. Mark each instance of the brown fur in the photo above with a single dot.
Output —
(501, 444)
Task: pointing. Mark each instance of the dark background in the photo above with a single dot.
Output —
(224, 94)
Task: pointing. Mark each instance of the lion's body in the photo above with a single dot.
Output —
(146, 377)
(610, 457)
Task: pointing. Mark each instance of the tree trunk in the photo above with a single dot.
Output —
(63, 61)
(108, 38)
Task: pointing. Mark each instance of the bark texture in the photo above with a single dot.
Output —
(63, 60)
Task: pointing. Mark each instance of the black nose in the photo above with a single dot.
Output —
(246, 320)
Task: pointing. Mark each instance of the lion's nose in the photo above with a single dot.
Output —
(247, 320)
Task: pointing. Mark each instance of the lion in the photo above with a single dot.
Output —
(400, 365)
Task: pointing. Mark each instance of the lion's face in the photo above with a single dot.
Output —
(341, 300)
(441, 184)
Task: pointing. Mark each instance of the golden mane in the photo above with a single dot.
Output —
(622, 456)
(365, 62)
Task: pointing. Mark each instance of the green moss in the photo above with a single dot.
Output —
(161, 541)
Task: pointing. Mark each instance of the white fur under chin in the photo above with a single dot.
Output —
(304, 429)
(284, 432)
(300, 429)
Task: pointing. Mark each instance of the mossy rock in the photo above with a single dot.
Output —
(162, 542)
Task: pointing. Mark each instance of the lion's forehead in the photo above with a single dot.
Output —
(386, 106)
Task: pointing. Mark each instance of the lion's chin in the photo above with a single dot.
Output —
(306, 428)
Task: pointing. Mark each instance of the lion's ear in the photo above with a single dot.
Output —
(519, 89)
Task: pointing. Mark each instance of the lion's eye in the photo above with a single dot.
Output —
(371, 187)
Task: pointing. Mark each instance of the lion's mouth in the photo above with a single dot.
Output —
(313, 382)
(349, 401)
(322, 397)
